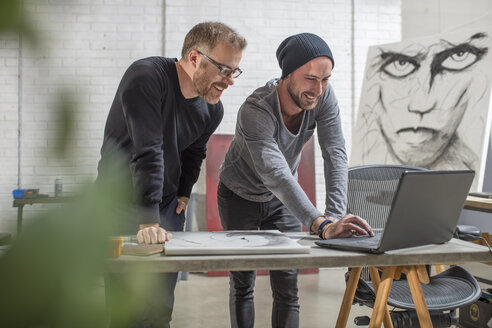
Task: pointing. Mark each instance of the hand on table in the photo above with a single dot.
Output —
(152, 234)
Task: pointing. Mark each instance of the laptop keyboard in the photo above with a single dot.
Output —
(365, 241)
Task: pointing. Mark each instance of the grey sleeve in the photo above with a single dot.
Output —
(332, 143)
(259, 129)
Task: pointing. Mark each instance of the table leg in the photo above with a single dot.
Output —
(439, 268)
(348, 297)
(379, 310)
(376, 282)
(20, 209)
(418, 298)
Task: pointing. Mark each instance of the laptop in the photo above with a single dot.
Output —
(425, 210)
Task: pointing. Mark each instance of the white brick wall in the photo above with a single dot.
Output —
(9, 50)
(89, 44)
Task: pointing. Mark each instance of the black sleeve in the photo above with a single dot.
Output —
(192, 157)
(141, 98)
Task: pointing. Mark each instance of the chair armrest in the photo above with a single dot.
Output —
(467, 232)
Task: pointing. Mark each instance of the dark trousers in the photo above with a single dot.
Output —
(158, 304)
(237, 213)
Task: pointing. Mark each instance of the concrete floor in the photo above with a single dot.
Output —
(202, 301)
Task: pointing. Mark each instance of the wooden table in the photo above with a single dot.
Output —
(454, 251)
(478, 204)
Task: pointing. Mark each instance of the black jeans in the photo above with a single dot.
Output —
(237, 213)
(158, 305)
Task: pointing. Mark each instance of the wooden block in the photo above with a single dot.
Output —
(115, 246)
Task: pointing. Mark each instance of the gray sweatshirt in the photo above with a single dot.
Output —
(264, 155)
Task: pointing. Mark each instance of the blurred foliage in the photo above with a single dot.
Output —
(14, 19)
(52, 274)
(65, 111)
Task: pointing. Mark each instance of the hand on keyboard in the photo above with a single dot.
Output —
(350, 225)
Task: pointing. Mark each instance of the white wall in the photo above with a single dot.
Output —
(8, 121)
(91, 42)
(428, 17)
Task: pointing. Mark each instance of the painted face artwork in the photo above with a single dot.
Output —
(419, 99)
(430, 90)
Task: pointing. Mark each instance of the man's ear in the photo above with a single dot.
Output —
(193, 58)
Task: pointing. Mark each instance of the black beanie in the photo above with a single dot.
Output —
(298, 49)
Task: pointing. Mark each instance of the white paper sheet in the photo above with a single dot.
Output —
(232, 242)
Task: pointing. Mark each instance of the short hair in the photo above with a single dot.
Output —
(206, 36)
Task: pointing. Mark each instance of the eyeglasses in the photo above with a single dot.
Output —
(224, 71)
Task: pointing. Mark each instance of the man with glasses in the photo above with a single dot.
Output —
(161, 118)
(258, 187)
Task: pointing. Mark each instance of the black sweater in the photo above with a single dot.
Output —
(162, 135)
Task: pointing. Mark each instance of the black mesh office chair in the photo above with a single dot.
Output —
(370, 193)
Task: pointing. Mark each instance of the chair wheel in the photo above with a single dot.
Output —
(362, 321)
